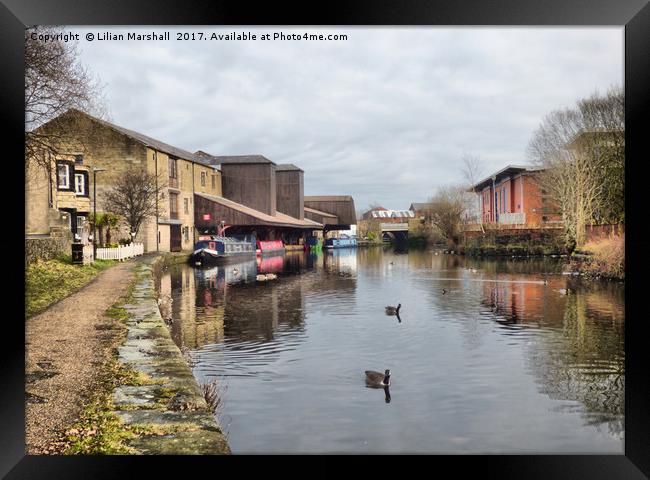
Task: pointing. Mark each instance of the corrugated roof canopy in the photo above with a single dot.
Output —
(279, 219)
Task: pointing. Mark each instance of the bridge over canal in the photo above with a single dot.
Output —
(394, 232)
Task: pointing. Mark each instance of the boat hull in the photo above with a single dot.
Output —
(340, 243)
(205, 256)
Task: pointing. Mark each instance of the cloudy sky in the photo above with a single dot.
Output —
(384, 116)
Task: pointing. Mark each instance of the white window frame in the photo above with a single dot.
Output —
(62, 177)
(76, 183)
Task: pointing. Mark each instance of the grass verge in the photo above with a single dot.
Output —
(48, 281)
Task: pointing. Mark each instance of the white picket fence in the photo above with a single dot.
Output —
(120, 253)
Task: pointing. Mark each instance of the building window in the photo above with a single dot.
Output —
(173, 206)
(203, 179)
(186, 205)
(80, 184)
(80, 226)
(186, 233)
(173, 173)
(214, 181)
(63, 175)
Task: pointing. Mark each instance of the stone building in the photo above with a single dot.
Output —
(84, 143)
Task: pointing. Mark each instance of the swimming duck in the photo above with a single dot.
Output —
(378, 379)
(393, 310)
(235, 271)
(444, 291)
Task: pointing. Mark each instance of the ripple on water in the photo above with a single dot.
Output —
(497, 356)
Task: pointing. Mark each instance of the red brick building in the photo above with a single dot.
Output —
(513, 197)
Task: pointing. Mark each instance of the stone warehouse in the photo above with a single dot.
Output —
(67, 190)
(237, 194)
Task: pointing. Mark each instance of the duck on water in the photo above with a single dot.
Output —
(378, 379)
(393, 310)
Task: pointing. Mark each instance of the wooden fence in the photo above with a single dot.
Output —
(120, 253)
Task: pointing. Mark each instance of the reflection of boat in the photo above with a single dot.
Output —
(315, 244)
(270, 264)
(341, 242)
(211, 248)
(218, 276)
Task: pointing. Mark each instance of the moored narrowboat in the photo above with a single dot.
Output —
(270, 247)
(341, 242)
(210, 249)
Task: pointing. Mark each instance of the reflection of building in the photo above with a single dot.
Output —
(518, 302)
(579, 353)
(198, 311)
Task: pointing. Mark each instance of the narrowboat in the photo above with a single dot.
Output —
(341, 242)
(270, 247)
(211, 249)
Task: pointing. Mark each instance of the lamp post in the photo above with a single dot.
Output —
(95, 170)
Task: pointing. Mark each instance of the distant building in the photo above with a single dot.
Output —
(388, 216)
(513, 196)
(419, 209)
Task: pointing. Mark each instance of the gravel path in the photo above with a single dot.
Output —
(64, 346)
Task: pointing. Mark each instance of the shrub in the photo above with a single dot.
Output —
(607, 258)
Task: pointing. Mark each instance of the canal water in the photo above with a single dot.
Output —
(499, 363)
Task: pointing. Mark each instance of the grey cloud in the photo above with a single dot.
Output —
(383, 116)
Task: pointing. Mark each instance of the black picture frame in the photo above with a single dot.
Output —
(634, 15)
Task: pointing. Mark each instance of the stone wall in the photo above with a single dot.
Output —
(173, 403)
(533, 241)
(47, 248)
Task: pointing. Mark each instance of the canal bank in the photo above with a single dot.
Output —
(104, 376)
(166, 408)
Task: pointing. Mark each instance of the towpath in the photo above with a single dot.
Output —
(64, 349)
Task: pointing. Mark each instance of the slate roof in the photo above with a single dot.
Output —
(287, 167)
(144, 139)
(226, 159)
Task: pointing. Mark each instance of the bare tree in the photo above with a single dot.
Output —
(135, 197)
(446, 209)
(55, 81)
(581, 152)
(472, 171)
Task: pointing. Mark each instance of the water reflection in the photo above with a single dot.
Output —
(501, 362)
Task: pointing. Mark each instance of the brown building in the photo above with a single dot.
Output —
(259, 197)
(335, 212)
(290, 190)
